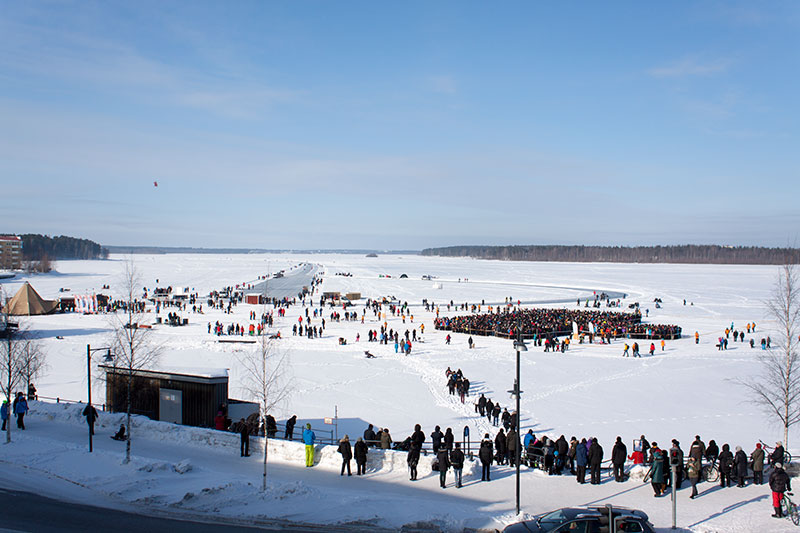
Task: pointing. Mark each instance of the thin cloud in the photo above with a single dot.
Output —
(443, 84)
(690, 67)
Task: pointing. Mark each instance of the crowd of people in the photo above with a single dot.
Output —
(550, 323)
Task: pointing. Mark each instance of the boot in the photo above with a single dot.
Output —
(777, 513)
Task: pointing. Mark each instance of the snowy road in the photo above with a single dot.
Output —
(287, 286)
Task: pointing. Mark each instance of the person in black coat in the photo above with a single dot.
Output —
(271, 426)
(562, 447)
(500, 447)
(595, 459)
(418, 436)
(290, 428)
(360, 452)
(436, 439)
(413, 458)
(91, 415)
(485, 454)
(725, 466)
(740, 466)
(448, 439)
(712, 451)
(777, 454)
(369, 436)
(244, 433)
(512, 447)
(618, 456)
(489, 409)
(482, 405)
(443, 457)
(347, 453)
(457, 462)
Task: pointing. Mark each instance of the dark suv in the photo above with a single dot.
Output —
(605, 519)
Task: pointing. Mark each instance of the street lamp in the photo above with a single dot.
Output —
(519, 346)
(107, 358)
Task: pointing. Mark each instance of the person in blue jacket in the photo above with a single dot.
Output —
(20, 408)
(308, 438)
(581, 460)
(4, 413)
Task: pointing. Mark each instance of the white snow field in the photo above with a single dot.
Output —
(590, 390)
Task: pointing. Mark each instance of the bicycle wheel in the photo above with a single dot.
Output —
(787, 458)
(794, 515)
(710, 473)
(786, 506)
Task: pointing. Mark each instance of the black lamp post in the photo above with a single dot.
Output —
(107, 358)
(519, 346)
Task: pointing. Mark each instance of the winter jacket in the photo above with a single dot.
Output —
(740, 462)
(725, 460)
(526, 442)
(758, 460)
(562, 446)
(779, 481)
(697, 450)
(436, 439)
(595, 454)
(581, 456)
(444, 459)
(418, 437)
(712, 451)
(413, 454)
(90, 413)
(448, 439)
(309, 437)
(21, 407)
(345, 449)
(619, 453)
(500, 443)
(512, 442)
(4, 411)
(486, 452)
(369, 436)
(776, 455)
(657, 470)
(360, 451)
(386, 440)
(457, 459)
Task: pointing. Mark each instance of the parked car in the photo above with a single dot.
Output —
(605, 519)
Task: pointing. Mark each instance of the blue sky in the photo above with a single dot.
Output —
(401, 125)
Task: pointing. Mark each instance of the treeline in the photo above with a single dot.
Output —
(688, 253)
(38, 247)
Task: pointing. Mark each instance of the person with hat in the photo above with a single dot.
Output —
(758, 464)
(779, 482)
(308, 438)
(777, 454)
(360, 452)
(347, 454)
(4, 413)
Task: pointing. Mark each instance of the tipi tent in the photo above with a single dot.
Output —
(28, 302)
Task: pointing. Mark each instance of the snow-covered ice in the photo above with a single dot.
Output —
(589, 391)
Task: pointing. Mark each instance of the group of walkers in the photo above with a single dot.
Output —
(457, 384)
(549, 322)
(18, 408)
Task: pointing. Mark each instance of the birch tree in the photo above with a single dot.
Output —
(10, 350)
(266, 379)
(777, 389)
(132, 347)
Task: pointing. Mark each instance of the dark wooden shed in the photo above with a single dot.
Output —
(191, 399)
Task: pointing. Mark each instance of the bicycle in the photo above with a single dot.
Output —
(710, 472)
(789, 508)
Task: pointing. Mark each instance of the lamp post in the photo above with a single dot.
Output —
(519, 346)
(89, 352)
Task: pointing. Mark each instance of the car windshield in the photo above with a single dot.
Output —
(553, 519)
